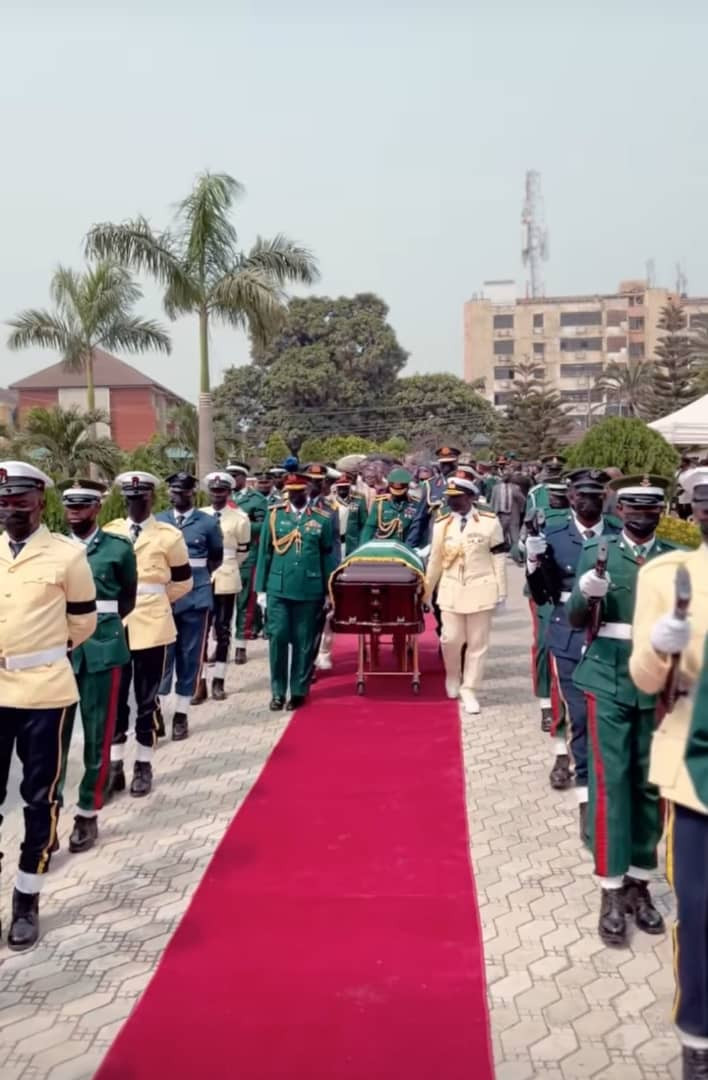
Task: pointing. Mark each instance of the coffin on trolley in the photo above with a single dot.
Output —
(377, 591)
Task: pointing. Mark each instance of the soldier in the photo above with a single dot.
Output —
(99, 662)
(393, 515)
(538, 497)
(321, 477)
(552, 560)
(164, 576)
(249, 622)
(467, 560)
(52, 603)
(205, 546)
(226, 580)
(295, 560)
(678, 760)
(431, 499)
(624, 810)
(277, 478)
(352, 510)
(264, 484)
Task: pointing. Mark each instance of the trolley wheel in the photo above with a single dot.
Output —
(360, 688)
(416, 687)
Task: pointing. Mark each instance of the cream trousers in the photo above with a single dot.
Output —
(472, 631)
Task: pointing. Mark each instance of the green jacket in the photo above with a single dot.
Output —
(538, 498)
(295, 555)
(355, 522)
(255, 505)
(604, 666)
(697, 745)
(389, 519)
(115, 572)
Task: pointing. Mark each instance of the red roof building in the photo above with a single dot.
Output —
(137, 405)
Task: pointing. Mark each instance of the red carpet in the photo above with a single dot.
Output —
(335, 935)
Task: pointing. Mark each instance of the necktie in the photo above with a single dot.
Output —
(217, 515)
(640, 553)
(588, 534)
(135, 531)
(463, 522)
(180, 520)
(16, 547)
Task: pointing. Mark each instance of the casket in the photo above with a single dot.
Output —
(378, 588)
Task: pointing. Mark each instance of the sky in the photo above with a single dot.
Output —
(392, 139)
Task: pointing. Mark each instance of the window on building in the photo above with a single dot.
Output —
(577, 344)
(636, 322)
(503, 348)
(579, 371)
(539, 348)
(636, 348)
(636, 300)
(503, 373)
(502, 398)
(581, 318)
(503, 322)
(616, 317)
(538, 321)
(616, 343)
(581, 395)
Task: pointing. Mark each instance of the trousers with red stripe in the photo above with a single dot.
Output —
(625, 810)
(99, 705)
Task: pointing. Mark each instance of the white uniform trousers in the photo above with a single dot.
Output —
(470, 630)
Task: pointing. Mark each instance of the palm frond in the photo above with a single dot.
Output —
(136, 335)
(208, 237)
(107, 289)
(249, 298)
(37, 327)
(284, 260)
(135, 245)
(182, 296)
(65, 288)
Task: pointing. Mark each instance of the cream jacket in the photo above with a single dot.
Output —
(236, 531)
(468, 567)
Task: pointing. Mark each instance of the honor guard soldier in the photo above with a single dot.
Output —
(248, 615)
(392, 516)
(669, 654)
(467, 567)
(552, 561)
(538, 497)
(205, 546)
(226, 580)
(321, 477)
(277, 478)
(164, 576)
(264, 484)
(353, 512)
(431, 499)
(99, 662)
(49, 604)
(625, 816)
(295, 560)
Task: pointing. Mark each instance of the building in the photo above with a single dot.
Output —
(8, 408)
(572, 338)
(136, 404)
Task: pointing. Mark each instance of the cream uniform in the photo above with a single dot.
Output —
(48, 600)
(236, 531)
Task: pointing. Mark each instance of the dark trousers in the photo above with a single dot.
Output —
(184, 656)
(36, 733)
(511, 527)
(99, 692)
(220, 618)
(687, 871)
(577, 709)
(144, 670)
(294, 627)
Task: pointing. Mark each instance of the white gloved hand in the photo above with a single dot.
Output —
(670, 635)
(501, 604)
(536, 546)
(592, 586)
(261, 600)
(423, 552)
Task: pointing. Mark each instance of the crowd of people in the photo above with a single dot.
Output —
(148, 609)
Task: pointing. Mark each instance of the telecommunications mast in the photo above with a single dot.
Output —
(534, 235)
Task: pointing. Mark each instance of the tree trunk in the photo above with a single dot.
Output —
(206, 427)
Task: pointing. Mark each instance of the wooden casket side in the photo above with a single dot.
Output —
(380, 596)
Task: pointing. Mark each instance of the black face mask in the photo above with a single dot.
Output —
(642, 527)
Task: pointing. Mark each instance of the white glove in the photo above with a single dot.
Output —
(423, 552)
(670, 635)
(501, 604)
(261, 601)
(592, 586)
(536, 546)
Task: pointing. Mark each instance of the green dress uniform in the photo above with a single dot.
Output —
(249, 621)
(390, 518)
(295, 560)
(98, 663)
(356, 520)
(624, 808)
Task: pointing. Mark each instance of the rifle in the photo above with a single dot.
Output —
(534, 524)
(682, 601)
(596, 602)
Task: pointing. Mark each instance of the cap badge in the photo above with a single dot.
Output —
(135, 481)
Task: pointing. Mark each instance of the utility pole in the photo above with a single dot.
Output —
(534, 235)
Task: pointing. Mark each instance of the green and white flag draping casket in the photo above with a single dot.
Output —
(385, 551)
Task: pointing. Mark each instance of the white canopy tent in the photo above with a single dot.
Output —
(687, 426)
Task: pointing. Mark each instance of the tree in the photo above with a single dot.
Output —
(626, 443)
(673, 371)
(535, 421)
(428, 410)
(93, 310)
(240, 404)
(276, 449)
(204, 274)
(628, 384)
(700, 352)
(333, 447)
(63, 445)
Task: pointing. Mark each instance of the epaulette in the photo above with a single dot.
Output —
(378, 498)
(443, 512)
(326, 514)
(485, 513)
(667, 558)
(163, 525)
(65, 539)
(558, 523)
(118, 536)
(114, 524)
(414, 498)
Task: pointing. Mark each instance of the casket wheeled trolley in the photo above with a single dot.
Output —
(377, 593)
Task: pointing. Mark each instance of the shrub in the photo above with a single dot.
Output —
(626, 443)
(684, 533)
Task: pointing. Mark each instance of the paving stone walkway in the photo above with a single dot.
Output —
(563, 1007)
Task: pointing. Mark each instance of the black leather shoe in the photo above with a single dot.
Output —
(180, 727)
(612, 926)
(560, 777)
(276, 704)
(84, 835)
(295, 702)
(24, 930)
(239, 656)
(638, 902)
(116, 780)
(695, 1063)
(200, 694)
(583, 822)
(546, 720)
(160, 722)
(142, 779)
(217, 690)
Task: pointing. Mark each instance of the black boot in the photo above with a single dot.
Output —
(142, 779)
(217, 690)
(276, 704)
(583, 822)
(296, 701)
(180, 727)
(24, 930)
(638, 902)
(239, 656)
(116, 780)
(546, 719)
(612, 926)
(84, 835)
(160, 722)
(560, 777)
(695, 1063)
(200, 694)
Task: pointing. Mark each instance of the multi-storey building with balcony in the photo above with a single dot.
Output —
(571, 338)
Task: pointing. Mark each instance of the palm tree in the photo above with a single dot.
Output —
(93, 309)
(63, 442)
(204, 274)
(628, 382)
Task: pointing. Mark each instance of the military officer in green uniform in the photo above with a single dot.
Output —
(352, 510)
(625, 820)
(249, 621)
(277, 478)
(295, 559)
(98, 662)
(392, 514)
(538, 497)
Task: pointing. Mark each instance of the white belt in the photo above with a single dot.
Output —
(197, 562)
(107, 607)
(229, 553)
(563, 597)
(150, 587)
(621, 631)
(33, 659)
